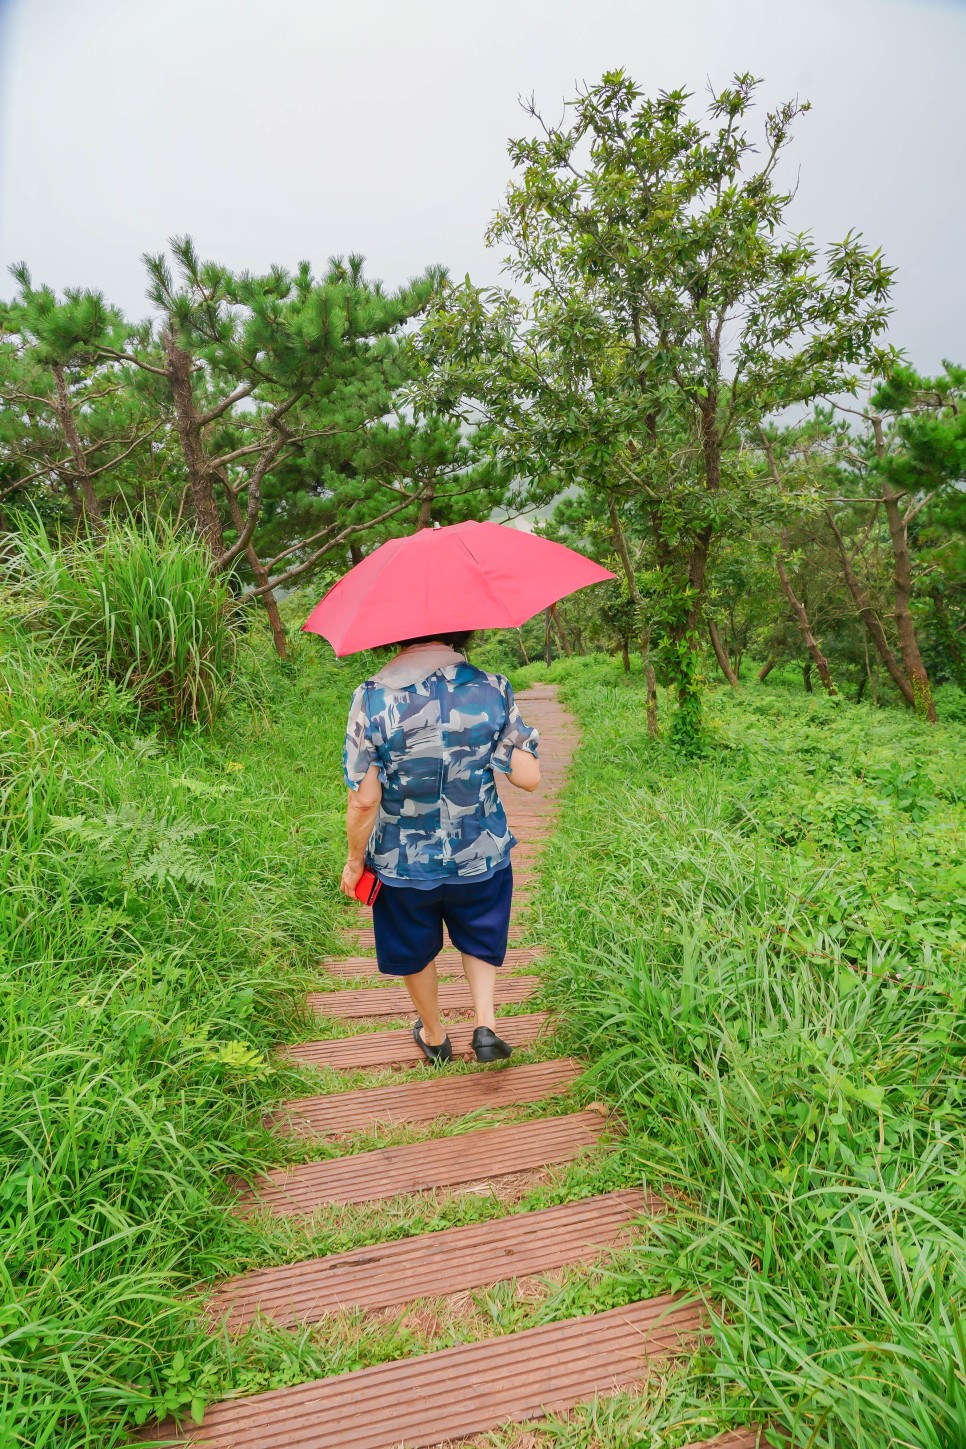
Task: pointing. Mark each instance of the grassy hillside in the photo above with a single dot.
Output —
(763, 954)
(162, 903)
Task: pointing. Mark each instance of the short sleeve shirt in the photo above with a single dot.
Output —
(437, 744)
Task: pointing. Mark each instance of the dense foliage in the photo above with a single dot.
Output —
(268, 410)
(668, 332)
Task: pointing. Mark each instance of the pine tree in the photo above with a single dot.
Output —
(73, 427)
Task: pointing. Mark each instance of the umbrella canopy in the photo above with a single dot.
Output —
(466, 576)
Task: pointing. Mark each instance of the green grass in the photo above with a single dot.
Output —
(163, 907)
(139, 605)
(763, 955)
(760, 954)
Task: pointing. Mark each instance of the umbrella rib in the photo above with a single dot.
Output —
(499, 603)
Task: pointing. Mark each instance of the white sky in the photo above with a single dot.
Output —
(273, 130)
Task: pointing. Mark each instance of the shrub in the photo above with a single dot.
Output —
(140, 606)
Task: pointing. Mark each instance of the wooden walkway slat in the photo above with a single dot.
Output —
(477, 1156)
(448, 963)
(388, 1275)
(397, 1048)
(459, 1391)
(365, 1001)
(446, 1095)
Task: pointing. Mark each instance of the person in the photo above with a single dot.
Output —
(423, 740)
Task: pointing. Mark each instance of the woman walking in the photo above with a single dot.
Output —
(424, 738)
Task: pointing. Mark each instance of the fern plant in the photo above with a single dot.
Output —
(145, 849)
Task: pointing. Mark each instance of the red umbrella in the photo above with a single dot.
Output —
(466, 576)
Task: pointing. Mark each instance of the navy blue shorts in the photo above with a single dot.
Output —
(409, 923)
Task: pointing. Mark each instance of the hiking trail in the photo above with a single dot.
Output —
(447, 1396)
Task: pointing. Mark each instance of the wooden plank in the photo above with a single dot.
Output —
(388, 1275)
(448, 963)
(397, 1048)
(456, 1392)
(446, 1095)
(478, 1156)
(394, 1000)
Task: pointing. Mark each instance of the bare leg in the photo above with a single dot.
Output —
(482, 979)
(423, 988)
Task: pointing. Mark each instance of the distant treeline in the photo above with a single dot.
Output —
(682, 387)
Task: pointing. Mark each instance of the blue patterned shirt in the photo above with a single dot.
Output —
(437, 743)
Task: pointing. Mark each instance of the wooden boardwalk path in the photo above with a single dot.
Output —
(442, 1397)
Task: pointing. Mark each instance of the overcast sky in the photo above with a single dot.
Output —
(273, 130)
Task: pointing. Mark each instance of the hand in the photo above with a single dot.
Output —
(351, 875)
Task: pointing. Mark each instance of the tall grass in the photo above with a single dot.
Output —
(140, 604)
(792, 1078)
(162, 905)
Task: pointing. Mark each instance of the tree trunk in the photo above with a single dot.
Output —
(261, 577)
(863, 681)
(523, 647)
(871, 675)
(867, 614)
(697, 579)
(798, 609)
(561, 635)
(902, 580)
(200, 479)
(355, 554)
(82, 475)
(74, 497)
(905, 628)
(650, 707)
(698, 562)
(547, 655)
(626, 656)
(271, 605)
(623, 554)
(424, 518)
(807, 676)
(721, 655)
(766, 669)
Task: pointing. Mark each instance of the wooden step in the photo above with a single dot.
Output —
(448, 963)
(388, 1275)
(340, 1113)
(397, 1048)
(394, 1000)
(478, 1156)
(457, 1392)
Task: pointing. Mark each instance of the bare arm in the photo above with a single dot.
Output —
(524, 770)
(361, 814)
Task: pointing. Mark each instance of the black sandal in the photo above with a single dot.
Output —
(489, 1047)
(441, 1053)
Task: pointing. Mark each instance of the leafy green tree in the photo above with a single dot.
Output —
(666, 312)
(896, 485)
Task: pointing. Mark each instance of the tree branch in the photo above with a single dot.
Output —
(244, 389)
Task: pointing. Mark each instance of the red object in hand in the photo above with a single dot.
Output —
(368, 887)
(465, 576)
